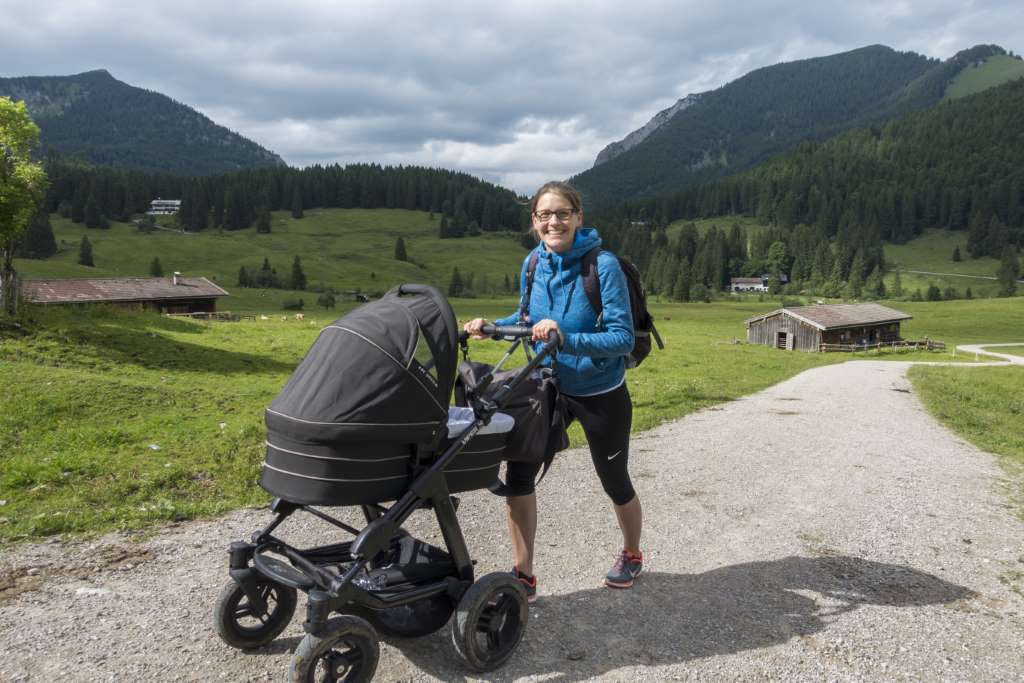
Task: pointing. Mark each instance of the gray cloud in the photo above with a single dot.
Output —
(516, 92)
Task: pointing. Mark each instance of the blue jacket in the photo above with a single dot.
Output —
(592, 359)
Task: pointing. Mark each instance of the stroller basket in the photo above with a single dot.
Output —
(363, 472)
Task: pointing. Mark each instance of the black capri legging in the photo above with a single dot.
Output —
(606, 420)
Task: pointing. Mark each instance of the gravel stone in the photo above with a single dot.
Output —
(826, 528)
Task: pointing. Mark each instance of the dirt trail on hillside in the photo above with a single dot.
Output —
(824, 529)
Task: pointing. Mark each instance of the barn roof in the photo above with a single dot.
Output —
(837, 316)
(113, 289)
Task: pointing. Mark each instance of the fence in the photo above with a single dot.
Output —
(901, 345)
(220, 316)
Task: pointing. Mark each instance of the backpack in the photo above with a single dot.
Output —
(643, 321)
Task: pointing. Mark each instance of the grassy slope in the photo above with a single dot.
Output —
(996, 70)
(89, 392)
(341, 248)
(984, 406)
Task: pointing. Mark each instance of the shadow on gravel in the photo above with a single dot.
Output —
(674, 618)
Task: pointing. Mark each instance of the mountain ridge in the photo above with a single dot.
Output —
(99, 119)
(770, 110)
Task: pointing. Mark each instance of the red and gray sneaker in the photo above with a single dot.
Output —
(625, 570)
(529, 583)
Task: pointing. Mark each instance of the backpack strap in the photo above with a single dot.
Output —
(591, 282)
(524, 303)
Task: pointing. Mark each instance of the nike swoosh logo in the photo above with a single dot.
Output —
(612, 457)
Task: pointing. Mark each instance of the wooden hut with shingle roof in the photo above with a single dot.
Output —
(806, 328)
(164, 294)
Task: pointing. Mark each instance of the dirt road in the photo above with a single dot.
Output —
(824, 529)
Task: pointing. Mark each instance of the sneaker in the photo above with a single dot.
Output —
(625, 570)
(529, 583)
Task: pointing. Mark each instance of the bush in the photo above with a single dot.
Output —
(292, 305)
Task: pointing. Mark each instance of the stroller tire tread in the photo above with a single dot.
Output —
(359, 661)
(490, 621)
(232, 598)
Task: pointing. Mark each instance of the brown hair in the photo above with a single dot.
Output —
(564, 190)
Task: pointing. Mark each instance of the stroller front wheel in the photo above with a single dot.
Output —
(347, 651)
(490, 621)
(246, 624)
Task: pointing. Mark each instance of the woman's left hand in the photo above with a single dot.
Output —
(542, 331)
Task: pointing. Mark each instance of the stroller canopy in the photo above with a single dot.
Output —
(383, 372)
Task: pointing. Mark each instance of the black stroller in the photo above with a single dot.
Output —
(365, 420)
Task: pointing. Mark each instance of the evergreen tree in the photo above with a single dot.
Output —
(1009, 271)
(442, 231)
(297, 203)
(38, 241)
(263, 220)
(968, 294)
(298, 278)
(874, 286)
(155, 268)
(243, 278)
(455, 283)
(684, 282)
(92, 212)
(933, 293)
(147, 224)
(956, 254)
(400, 254)
(897, 285)
(855, 283)
(85, 253)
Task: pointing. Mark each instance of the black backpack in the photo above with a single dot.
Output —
(643, 321)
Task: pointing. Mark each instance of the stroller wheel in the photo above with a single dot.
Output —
(348, 651)
(490, 621)
(246, 625)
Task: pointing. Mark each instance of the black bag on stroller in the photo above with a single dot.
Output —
(365, 419)
(535, 405)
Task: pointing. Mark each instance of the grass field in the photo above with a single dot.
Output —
(119, 420)
(996, 70)
(341, 248)
(984, 406)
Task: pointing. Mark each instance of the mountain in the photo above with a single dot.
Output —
(616, 148)
(957, 166)
(770, 110)
(97, 118)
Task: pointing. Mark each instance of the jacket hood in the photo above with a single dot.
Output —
(584, 240)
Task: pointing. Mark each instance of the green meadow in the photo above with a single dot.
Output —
(345, 249)
(996, 70)
(984, 406)
(115, 420)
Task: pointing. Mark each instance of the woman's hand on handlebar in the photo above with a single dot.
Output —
(473, 328)
(542, 331)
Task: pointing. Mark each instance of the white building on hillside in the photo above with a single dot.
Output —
(164, 207)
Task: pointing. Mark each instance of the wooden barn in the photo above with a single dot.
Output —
(164, 294)
(807, 328)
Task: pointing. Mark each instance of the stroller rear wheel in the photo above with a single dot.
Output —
(347, 651)
(490, 621)
(246, 624)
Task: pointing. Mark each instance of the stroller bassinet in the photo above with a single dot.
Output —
(368, 407)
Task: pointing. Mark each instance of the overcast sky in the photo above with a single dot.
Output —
(516, 92)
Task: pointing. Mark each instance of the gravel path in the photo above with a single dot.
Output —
(824, 529)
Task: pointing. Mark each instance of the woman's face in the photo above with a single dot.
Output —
(555, 232)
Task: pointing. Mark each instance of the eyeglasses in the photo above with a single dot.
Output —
(562, 214)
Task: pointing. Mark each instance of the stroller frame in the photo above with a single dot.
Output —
(255, 565)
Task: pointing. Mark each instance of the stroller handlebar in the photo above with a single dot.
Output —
(513, 331)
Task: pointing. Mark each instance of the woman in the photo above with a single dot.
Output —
(591, 372)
